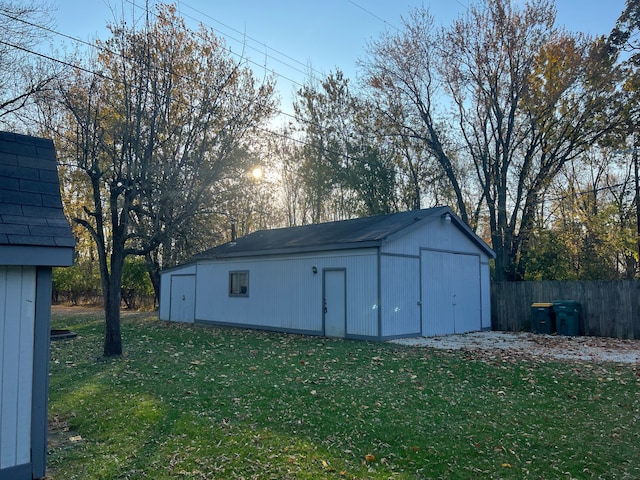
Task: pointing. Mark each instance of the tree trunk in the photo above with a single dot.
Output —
(112, 298)
(505, 267)
(154, 273)
(113, 336)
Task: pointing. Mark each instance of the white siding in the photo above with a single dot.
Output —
(444, 237)
(285, 294)
(400, 277)
(436, 234)
(485, 293)
(451, 296)
(17, 317)
(165, 288)
(183, 301)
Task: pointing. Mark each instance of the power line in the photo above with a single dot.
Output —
(247, 59)
(145, 9)
(259, 42)
(106, 77)
(93, 45)
(165, 70)
(57, 60)
(584, 192)
(106, 50)
(374, 15)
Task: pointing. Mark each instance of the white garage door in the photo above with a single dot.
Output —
(450, 293)
(183, 296)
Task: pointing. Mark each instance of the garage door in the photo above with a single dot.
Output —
(450, 293)
(183, 295)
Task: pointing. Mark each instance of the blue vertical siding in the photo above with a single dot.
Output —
(285, 294)
(17, 321)
(164, 312)
(437, 236)
(400, 295)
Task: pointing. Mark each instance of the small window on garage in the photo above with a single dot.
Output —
(239, 284)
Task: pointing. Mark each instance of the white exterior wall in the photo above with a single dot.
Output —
(400, 295)
(435, 235)
(17, 320)
(485, 292)
(165, 288)
(285, 294)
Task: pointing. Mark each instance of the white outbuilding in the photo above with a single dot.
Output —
(34, 237)
(415, 273)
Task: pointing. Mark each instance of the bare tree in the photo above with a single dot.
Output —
(525, 97)
(157, 131)
(402, 77)
(23, 73)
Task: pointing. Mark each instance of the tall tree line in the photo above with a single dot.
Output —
(516, 123)
(484, 115)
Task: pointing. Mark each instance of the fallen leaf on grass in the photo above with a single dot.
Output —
(328, 467)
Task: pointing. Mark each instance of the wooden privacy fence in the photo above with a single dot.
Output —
(609, 308)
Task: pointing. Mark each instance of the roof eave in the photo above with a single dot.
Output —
(41, 256)
(289, 250)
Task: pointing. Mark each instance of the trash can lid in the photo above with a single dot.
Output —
(542, 304)
(566, 303)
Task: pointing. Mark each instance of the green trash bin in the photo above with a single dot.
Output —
(567, 313)
(543, 320)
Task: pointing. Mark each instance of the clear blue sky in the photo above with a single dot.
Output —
(291, 35)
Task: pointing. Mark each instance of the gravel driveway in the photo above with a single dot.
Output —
(596, 349)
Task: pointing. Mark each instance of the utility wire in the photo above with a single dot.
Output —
(584, 192)
(146, 10)
(374, 15)
(308, 68)
(93, 45)
(111, 52)
(106, 77)
(242, 42)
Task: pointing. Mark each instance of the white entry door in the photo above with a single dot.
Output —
(450, 293)
(183, 295)
(334, 303)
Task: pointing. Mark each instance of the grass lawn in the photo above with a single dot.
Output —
(201, 402)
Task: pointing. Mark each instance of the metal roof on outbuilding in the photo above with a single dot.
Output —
(356, 233)
(31, 212)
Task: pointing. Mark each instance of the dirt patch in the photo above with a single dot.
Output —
(596, 349)
(58, 433)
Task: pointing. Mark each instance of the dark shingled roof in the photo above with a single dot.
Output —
(356, 233)
(30, 204)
